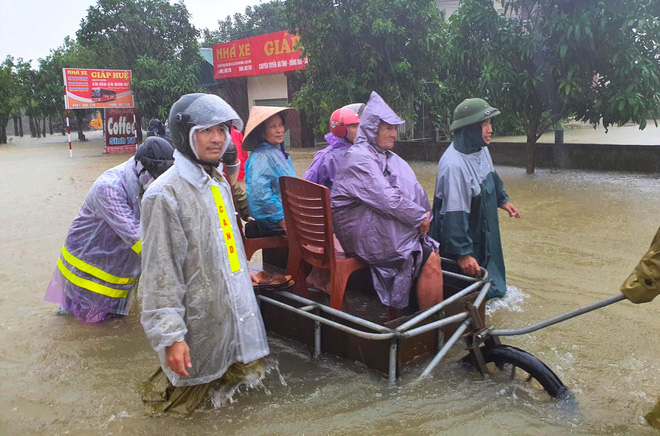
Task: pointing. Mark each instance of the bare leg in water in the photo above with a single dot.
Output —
(429, 284)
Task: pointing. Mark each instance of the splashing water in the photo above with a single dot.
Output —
(512, 301)
(224, 393)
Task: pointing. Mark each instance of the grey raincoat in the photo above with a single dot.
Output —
(377, 207)
(195, 280)
(468, 192)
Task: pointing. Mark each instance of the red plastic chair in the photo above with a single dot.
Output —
(252, 245)
(309, 230)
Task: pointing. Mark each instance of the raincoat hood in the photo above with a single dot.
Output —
(469, 139)
(328, 161)
(336, 142)
(199, 111)
(375, 112)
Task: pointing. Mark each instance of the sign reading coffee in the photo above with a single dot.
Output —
(119, 130)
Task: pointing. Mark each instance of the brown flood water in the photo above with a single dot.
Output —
(580, 236)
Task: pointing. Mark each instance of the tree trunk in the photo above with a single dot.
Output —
(15, 117)
(33, 130)
(3, 135)
(531, 156)
(50, 126)
(138, 123)
(20, 124)
(63, 126)
(43, 128)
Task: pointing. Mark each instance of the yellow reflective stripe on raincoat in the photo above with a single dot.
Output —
(137, 247)
(225, 223)
(94, 271)
(90, 285)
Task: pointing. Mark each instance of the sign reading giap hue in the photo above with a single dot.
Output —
(263, 54)
(119, 130)
(95, 89)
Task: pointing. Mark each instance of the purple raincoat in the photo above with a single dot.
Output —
(326, 162)
(98, 267)
(377, 207)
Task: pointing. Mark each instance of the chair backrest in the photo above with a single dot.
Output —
(308, 220)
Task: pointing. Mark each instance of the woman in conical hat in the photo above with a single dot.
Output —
(268, 161)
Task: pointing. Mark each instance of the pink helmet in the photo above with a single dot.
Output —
(342, 117)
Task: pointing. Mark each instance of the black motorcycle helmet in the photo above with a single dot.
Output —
(202, 110)
(156, 155)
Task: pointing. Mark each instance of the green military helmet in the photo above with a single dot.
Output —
(472, 110)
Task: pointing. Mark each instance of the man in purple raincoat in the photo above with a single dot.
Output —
(381, 213)
(98, 268)
(343, 129)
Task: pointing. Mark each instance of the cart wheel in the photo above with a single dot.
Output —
(512, 359)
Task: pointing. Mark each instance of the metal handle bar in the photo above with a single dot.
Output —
(558, 318)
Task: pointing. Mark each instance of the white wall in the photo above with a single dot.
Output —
(266, 87)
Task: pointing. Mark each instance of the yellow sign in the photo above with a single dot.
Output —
(227, 231)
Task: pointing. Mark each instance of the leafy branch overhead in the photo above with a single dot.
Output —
(354, 47)
(542, 61)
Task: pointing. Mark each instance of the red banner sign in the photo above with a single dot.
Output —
(94, 89)
(119, 130)
(263, 54)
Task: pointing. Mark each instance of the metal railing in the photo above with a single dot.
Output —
(377, 332)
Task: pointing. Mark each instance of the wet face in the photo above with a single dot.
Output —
(386, 135)
(351, 132)
(210, 142)
(487, 131)
(274, 130)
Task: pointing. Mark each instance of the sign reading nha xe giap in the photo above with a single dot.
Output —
(96, 89)
(264, 54)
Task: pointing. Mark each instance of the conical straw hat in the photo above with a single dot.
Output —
(259, 114)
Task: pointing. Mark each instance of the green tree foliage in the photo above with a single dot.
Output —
(154, 39)
(356, 46)
(542, 61)
(71, 54)
(159, 85)
(8, 85)
(28, 82)
(122, 31)
(257, 20)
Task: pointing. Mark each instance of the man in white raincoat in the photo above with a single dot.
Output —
(199, 309)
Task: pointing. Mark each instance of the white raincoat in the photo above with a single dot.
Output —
(195, 280)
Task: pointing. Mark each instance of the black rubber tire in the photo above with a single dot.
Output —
(500, 354)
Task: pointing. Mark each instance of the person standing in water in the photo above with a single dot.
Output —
(199, 313)
(99, 266)
(468, 192)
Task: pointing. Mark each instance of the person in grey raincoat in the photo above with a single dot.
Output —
(200, 313)
(380, 213)
(99, 265)
(343, 129)
(468, 192)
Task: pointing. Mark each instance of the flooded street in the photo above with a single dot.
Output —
(580, 236)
